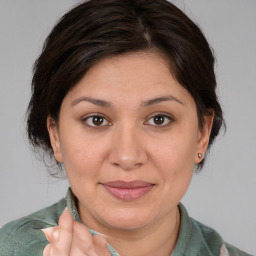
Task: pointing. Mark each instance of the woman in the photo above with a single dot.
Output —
(123, 96)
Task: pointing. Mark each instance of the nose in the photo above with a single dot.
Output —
(127, 148)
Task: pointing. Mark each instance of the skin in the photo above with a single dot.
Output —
(130, 144)
(72, 238)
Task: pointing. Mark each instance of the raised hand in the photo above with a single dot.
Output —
(71, 238)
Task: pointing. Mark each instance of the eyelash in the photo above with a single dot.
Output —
(163, 115)
(85, 120)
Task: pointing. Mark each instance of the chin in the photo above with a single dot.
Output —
(128, 219)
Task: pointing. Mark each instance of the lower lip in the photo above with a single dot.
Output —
(128, 194)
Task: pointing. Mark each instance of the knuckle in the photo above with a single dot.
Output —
(81, 233)
(85, 245)
(63, 233)
(100, 240)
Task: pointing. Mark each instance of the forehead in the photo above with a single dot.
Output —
(140, 75)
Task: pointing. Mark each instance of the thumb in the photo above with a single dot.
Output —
(66, 220)
(49, 232)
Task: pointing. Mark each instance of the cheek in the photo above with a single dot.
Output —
(175, 155)
(82, 156)
(174, 160)
(175, 170)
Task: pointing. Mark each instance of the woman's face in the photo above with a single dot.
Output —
(128, 136)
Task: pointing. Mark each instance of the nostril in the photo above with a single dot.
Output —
(127, 152)
(127, 165)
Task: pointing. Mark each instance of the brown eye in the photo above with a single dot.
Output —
(159, 120)
(96, 121)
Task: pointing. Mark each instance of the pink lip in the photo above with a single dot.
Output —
(128, 191)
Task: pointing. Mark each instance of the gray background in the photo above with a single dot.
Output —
(221, 196)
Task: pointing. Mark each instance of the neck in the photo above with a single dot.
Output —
(158, 238)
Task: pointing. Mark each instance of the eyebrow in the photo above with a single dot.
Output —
(161, 99)
(103, 103)
(98, 102)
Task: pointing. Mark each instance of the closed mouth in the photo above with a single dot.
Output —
(128, 191)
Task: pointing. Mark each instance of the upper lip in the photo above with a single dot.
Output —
(127, 184)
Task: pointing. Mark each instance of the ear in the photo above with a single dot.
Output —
(203, 137)
(54, 138)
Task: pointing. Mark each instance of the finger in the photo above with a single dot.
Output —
(64, 241)
(48, 250)
(85, 244)
(101, 245)
(51, 250)
(100, 240)
(60, 243)
(82, 239)
(60, 237)
(66, 220)
(50, 233)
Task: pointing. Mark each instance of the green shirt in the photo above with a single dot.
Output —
(23, 237)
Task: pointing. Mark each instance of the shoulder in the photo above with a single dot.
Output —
(24, 236)
(213, 242)
(197, 239)
(232, 251)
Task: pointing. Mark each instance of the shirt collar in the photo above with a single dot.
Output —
(71, 202)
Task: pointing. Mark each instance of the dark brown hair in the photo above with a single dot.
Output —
(98, 29)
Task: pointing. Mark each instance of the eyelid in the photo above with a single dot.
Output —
(168, 116)
(91, 115)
